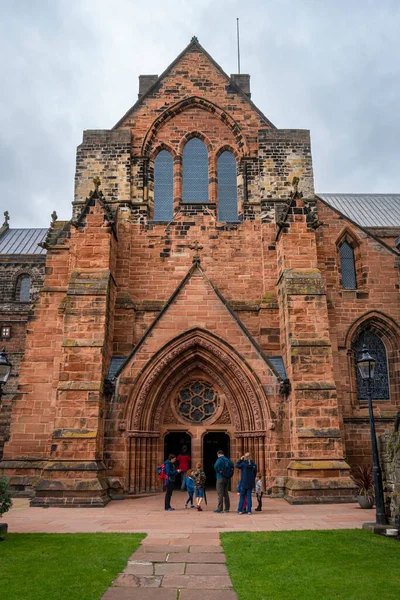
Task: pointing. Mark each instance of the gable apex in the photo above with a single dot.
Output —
(153, 82)
(230, 319)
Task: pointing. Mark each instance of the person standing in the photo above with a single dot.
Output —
(184, 464)
(171, 473)
(259, 492)
(247, 481)
(199, 478)
(190, 489)
(224, 470)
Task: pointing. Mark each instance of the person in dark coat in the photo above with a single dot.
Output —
(247, 481)
(171, 473)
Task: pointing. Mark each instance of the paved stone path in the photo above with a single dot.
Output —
(146, 515)
(181, 567)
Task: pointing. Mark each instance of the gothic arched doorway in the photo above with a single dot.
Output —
(174, 441)
(212, 442)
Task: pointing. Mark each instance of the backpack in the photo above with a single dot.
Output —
(161, 473)
(199, 478)
(228, 468)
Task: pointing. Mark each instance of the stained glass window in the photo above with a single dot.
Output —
(197, 401)
(195, 171)
(24, 289)
(348, 267)
(380, 383)
(227, 188)
(163, 186)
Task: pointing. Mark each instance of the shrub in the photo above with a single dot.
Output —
(5, 497)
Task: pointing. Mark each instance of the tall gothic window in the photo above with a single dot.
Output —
(227, 188)
(23, 291)
(163, 186)
(195, 171)
(348, 267)
(380, 383)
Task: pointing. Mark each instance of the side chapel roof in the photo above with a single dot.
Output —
(366, 210)
(22, 241)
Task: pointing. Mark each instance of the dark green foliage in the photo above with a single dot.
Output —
(364, 480)
(313, 565)
(5, 498)
(63, 566)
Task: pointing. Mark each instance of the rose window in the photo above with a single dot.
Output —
(197, 401)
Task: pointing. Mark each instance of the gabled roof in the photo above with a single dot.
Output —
(22, 241)
(367, 210)
(194, 43)
(272, 364)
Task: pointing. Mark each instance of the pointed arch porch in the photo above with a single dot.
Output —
(196, 353)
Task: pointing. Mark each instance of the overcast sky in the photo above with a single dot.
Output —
(331, 66)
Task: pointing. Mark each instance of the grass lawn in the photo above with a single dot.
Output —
(80, 566)
(313, 565)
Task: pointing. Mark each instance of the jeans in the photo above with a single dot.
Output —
(183, 480)
(259, 500)
(245, 493)
(223, 494)
(169, 488)
(190, 499)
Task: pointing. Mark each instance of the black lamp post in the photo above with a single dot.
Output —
(5, 369)
(366, 366)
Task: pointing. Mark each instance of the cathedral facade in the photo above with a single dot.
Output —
(203, 295)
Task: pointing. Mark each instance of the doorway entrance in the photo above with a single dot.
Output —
(173, 443)
(212, 442)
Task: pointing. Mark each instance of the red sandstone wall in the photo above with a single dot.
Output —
(377, 299)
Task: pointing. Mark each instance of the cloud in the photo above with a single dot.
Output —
(331, 67)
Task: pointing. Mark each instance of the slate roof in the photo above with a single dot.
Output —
(22, 241)
(115, 363)
(367, 210)
(279, 365)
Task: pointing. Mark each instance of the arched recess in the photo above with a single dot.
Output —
(203, 104)
(196, 351)
(352, 275)
(250, 408)
(389, 333)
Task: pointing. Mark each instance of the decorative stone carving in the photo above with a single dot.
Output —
(224, 418)
(169, 417)
(247, 400)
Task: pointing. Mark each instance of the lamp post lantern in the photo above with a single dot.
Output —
(366, 366)
(5, 369)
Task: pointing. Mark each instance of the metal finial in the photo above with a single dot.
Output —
(97, 182)
(6, 218)
(196, 247)
(54, 216)
(194, 39)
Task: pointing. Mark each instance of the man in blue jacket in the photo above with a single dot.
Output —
(171, 473)
(247, 481)
(224, 471)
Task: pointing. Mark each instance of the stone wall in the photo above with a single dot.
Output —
(390, 459)
(15, 314)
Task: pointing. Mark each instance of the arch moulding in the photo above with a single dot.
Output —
(194, 102)
(196, 349)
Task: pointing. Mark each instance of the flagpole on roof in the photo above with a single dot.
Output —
(238, 44)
